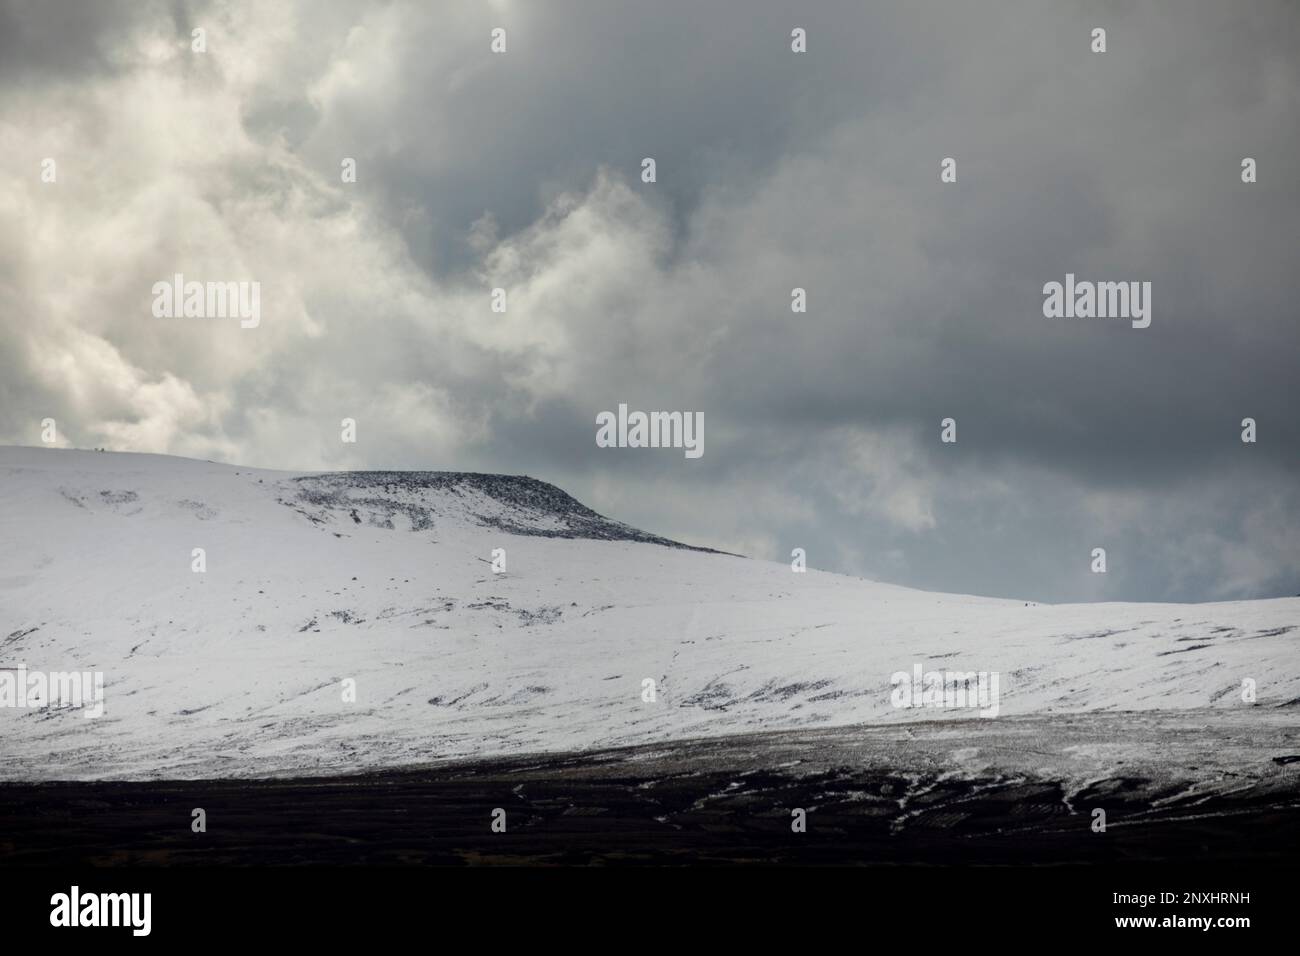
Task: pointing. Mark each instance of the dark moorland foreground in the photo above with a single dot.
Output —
(1176, 786)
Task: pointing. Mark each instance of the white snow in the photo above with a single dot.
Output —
(238, 671)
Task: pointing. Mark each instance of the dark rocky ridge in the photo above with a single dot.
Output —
(419, 498)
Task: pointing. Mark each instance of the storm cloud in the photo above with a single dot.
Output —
(775, 170)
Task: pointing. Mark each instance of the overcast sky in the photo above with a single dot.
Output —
(774, 170)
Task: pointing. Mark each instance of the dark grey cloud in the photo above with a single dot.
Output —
(52, 42)
(775, 170)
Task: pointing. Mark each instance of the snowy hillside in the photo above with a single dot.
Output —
(386, 578)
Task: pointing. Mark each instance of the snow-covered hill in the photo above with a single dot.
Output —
(386, 578)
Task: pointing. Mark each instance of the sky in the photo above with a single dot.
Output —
(774, 170)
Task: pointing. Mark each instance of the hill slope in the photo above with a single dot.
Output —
(385, 578)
